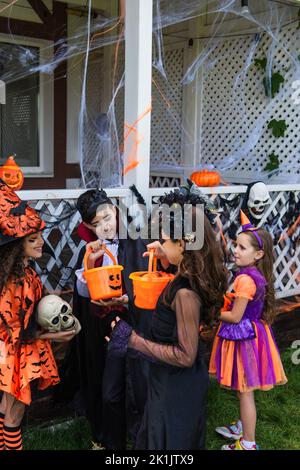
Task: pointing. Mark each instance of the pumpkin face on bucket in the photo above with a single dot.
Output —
(115, 282)
(11, 174)
(104, 282)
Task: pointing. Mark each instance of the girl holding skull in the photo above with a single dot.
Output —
(25, 354)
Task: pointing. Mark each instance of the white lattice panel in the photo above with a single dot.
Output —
(232, 114)
(167, 105)
(286, 252)
(57, 273)
(164, 181)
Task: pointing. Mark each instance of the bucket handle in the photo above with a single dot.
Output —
(152, 264)
(89, 251)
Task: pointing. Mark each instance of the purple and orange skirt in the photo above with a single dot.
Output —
(249, 364)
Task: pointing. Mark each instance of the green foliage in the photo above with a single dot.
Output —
(278, 127)
(261, 63)
(273, 85)
(273, 163)
(298, 27)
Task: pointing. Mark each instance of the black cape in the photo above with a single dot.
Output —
(82, 371)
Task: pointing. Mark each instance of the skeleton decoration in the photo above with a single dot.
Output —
(54, 314)
(258, 200)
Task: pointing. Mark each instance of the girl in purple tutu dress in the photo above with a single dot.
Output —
(244, 355)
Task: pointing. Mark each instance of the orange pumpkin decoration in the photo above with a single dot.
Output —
(205, 178)
(12, 174)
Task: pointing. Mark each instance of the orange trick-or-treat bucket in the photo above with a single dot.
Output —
(148, 285)
(104, 282)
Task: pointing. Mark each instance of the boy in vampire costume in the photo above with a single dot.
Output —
(97, 381)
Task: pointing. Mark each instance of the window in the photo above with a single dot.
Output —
(27, 118)
(19, 133)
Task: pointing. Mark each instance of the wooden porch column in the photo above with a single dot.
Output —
(60, 97)
(138, 78)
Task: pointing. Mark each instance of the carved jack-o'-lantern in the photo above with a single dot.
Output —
(12, 174)
(114, 282)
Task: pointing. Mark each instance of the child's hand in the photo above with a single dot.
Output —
(113, 325)
(158, 250)
(97, 251)
(112, 302)
(60, 336)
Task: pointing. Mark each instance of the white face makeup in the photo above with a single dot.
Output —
(105, 222)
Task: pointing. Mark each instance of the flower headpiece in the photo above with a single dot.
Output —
(192, 195)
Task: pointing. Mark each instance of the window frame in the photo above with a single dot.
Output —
(45, 107)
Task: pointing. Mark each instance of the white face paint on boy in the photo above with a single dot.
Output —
(106, 228)
(104, 224)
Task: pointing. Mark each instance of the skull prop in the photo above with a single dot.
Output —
(259, 198)
(54, 314)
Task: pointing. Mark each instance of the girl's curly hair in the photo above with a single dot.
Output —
(12, 262)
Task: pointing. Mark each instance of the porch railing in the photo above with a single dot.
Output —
(58, 273)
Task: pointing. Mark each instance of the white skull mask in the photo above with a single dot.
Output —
(259, 198)
(54, 314)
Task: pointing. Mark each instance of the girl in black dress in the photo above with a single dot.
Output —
(175, 413)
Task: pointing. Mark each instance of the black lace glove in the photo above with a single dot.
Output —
(119, 339)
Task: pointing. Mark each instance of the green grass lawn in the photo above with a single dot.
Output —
(278, 413)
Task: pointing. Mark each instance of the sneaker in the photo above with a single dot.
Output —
(234, 431)
(238, 445)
